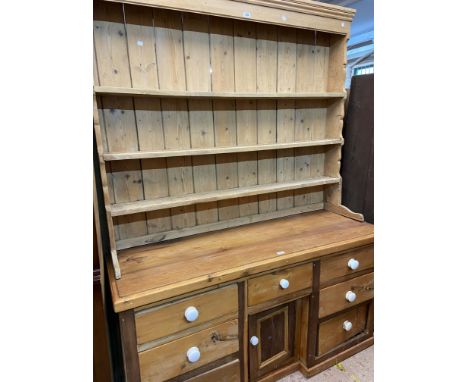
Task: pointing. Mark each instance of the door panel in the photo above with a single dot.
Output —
(275, 330)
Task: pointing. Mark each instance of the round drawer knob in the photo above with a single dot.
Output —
(284, 284)
(350, 296)
(353, 264)
(254, 340)
(191, 314)
(347, 325)
(193, 354)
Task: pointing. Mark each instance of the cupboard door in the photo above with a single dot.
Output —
(271, 339)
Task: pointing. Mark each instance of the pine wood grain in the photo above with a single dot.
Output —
(213, 343)
(264, 288)
(337, 266)
(332, 298)
(331, 332)
(155, 272)
(164, 320)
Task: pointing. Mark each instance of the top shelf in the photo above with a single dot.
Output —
(122, 91)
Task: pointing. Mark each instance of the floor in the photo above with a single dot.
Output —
(358, 368)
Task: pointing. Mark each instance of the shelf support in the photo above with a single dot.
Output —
(344, 211)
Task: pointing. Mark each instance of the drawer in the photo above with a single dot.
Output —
(337, 266)
(333, 333)
(164, 320)
(171, 359)
(333, 298)
(225, 373)
(267, 287)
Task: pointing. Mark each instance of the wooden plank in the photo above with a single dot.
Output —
(286, 112)
(154, 170)
(266, 287)
(188, 199)
(246, 113)
(141, 47)
(168, 93)
(332, 299)
(331, 333)
(258, 13)
(243, 332)
(168, 235)
(267, 73)
(213, 343)
(129, 346)
(222, 64)
(171, 67)
(164, 320)
(206, 135)
(313, 323)
(110, 43)
(156, 272)
(197, 69)
(144, 73)
(307, 7)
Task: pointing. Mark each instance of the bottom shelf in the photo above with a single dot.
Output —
(231, 223)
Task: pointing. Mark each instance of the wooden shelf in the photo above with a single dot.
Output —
(109, 90)
(185, 200)
(218, 150)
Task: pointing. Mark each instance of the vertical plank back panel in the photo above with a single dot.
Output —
(160, 49)
(198, 75)
(110, 42)
(286, 114)
(171, 72)
(121, 132)
(224, 111)
(245, 61)
(141, 47)
(267, 79)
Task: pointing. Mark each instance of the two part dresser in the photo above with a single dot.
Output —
(218, 128)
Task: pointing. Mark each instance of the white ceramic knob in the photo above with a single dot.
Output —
(353, 264)
(284, 284)
(191, 314)
(254, 340)
(193, 354)
(350, 296)
(347, 325)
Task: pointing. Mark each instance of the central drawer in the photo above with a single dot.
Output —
(278, 284)
(172, 359)
(167, 319)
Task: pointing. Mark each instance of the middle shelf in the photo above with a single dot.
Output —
(113, 156)
(129, 208)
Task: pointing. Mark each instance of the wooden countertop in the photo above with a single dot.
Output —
(156, 272)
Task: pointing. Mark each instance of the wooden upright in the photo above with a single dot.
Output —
(218, 124)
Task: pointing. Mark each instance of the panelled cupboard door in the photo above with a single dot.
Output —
(271, 339)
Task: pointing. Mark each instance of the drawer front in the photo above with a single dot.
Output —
(164, 320)
(267, 287)
(337, 266)
(225, 373)
(170, 360)
(332, 332)
(333, 298)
